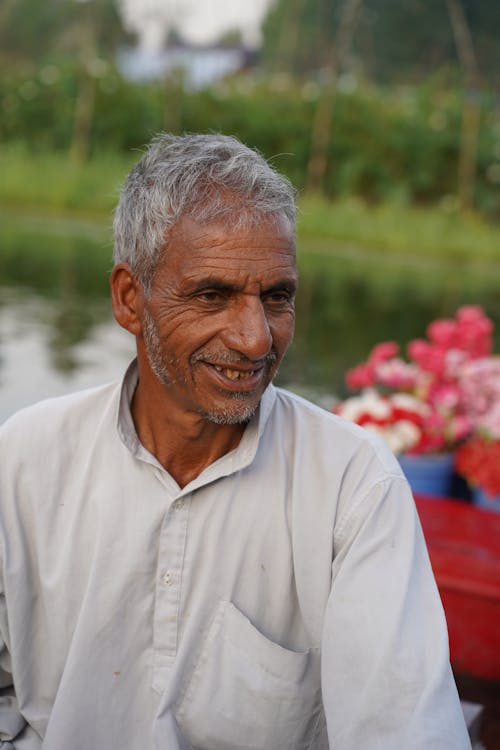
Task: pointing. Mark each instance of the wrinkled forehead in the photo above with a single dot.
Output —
(234, 228)
(266, 248)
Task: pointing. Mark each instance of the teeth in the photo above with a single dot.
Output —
(234, 374)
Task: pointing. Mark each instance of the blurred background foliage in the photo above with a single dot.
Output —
(394, 41)
(387, 100)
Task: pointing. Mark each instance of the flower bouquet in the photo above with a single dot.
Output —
(434, 384)
(427, 404)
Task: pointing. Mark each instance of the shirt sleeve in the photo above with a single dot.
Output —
(386, 677)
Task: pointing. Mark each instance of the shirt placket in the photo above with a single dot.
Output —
(168, 588)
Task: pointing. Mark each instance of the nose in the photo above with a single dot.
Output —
(248, 330)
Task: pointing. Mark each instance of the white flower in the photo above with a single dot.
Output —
(369, 402)
(410, 403)
(400, 436)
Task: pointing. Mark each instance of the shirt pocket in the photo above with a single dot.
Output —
(247, 692)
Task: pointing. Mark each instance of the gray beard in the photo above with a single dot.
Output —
(240, 414)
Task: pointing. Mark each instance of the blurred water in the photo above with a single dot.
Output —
(33, 365)
(57, 333)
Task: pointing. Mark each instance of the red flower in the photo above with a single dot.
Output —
(478, 461)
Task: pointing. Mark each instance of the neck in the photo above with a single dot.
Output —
(184, 443)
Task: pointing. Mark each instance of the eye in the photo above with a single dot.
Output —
(212, 296)
(279, 297)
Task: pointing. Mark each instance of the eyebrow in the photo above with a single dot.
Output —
(212, 282)
(288, 286)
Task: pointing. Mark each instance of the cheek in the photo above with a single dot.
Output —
(190, 335)
(282, 330)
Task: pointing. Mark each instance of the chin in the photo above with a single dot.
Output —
(234, 411)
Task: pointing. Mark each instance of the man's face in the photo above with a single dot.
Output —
(220, 316)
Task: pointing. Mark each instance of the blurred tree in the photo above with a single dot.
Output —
(395, 40)
(408, 39)
(87, 31)
(25, 27)
(471, 111)
(31, 30)
(404, 39)
(323, 118)
(297, 34)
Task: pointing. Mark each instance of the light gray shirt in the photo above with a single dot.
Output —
(283, 600)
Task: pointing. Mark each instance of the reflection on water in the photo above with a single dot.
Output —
(38, 359)
(57, 333)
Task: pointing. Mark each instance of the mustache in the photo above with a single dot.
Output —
(228, 358)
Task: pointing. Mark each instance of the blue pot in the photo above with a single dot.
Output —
(429, 474)
(482, 500)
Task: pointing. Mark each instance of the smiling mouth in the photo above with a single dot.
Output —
(235, 374)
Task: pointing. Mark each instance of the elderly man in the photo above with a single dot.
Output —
(194, 558)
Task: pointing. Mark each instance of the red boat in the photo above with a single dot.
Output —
(464, 548)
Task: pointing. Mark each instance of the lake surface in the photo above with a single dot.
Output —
(57, 333)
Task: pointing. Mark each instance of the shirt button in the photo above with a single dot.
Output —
(178, 505)
(167, 578)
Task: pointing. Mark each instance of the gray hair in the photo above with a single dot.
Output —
(207, 177)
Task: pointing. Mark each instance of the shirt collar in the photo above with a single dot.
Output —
(237, 459)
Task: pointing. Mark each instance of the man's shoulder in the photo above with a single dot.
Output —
(328, 434)
(310, 415)
(302, 403)
(50, 417)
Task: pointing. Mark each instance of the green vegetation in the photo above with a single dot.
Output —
(48, 183)
(389, 102)
(393, 40)
(398, 230)
(400, 144)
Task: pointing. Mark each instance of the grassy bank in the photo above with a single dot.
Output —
(48, 183)
(439, 232)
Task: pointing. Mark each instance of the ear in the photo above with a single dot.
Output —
(126, 298)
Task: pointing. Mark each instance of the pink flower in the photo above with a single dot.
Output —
(475, 330)
(455, 360)
(397, 374)
(418, 350)
(445, 396)
(361, 376)
(459, 427)
(382, 352)
(429, 357)
(479, 380)
(443, 332)
(470, 314)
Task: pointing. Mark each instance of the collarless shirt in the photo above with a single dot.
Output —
(282, 600)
